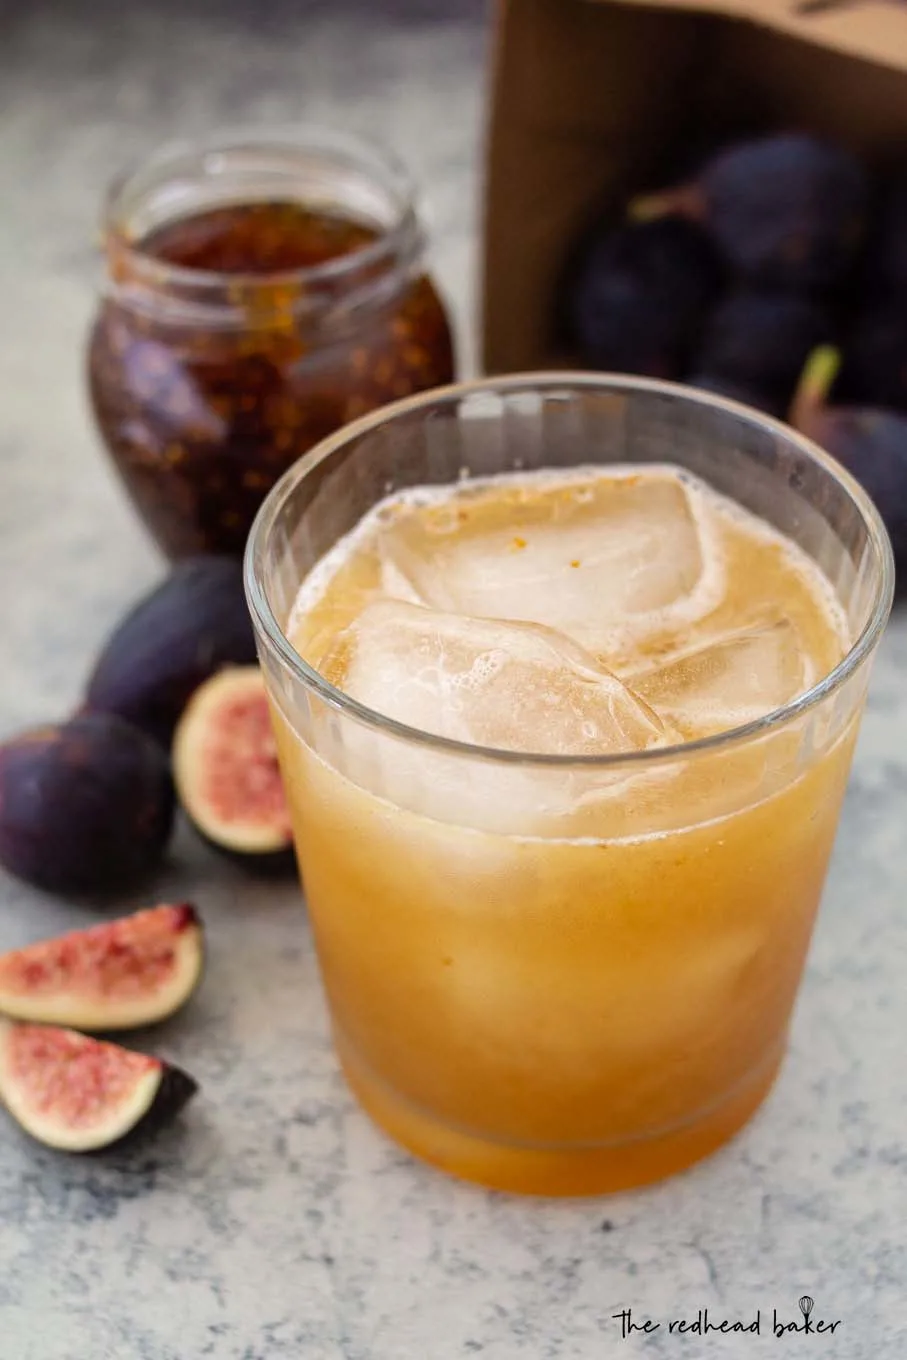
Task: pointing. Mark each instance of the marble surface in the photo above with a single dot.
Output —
(274, 1221)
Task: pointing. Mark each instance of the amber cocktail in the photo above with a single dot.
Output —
(566, 676)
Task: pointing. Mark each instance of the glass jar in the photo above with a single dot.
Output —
(261, 291)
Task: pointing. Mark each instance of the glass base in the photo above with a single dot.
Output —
(558, 1171)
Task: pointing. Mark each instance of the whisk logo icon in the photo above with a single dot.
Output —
(808, 1323)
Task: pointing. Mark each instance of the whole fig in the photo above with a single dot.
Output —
(787, 210)
(187, 628)
(84, 806)
(758, 341)
(870, 442)
(634, 298)
(874, 362)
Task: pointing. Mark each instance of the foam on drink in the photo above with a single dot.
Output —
(647, 581)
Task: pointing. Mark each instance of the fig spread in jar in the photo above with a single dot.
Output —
(261, 293)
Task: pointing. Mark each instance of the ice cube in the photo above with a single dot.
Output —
(490, 682)
(601, 559)
(493, 683)
(729, 680)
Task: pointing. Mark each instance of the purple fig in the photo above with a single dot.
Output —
(188, 627)
(85, 806)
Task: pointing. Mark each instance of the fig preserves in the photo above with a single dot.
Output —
(261, 293)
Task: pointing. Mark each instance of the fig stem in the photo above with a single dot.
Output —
(683, 201)
(816, 382)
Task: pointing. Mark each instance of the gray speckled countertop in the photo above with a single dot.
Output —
(274, 1221)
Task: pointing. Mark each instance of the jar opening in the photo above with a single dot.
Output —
(326, 173)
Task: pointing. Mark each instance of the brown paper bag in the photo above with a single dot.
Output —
(592, 100)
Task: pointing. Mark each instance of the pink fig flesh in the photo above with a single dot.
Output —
(226, 770)
(79, 1094)
(115, 976)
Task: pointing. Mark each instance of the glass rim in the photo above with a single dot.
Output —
(398, 239)
(552, 380)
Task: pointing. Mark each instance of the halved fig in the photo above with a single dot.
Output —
(80, 1094)
(119, 975)
(226, 771)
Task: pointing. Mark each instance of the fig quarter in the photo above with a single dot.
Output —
(80, 1094)
(115, 976)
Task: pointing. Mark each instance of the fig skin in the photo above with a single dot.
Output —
(885, 275)
(79, 1094)
(634, 298)
(874, 364)
(758, 341)
(787, 211)
(193, 623)
(116, 976)
(227, 776)
(85, 806)
(872, 445)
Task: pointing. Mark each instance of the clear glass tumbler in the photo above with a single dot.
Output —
(595, 1008)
